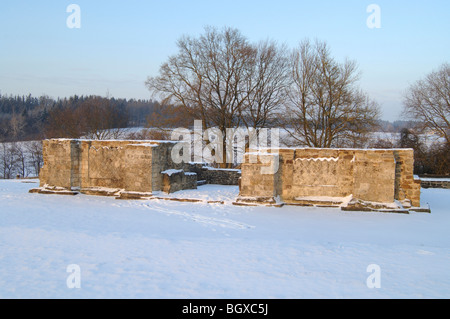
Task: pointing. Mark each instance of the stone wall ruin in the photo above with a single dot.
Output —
(348, 178)
(105, 167)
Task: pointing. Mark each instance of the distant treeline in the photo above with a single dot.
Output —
(33, 118)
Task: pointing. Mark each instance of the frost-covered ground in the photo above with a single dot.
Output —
(165, 249)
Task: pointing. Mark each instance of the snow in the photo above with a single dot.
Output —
(435, 179)
(170, 172)
(135, 142)
(190, 173)
(144, 145)
(343, 200)
(328, 159)
(208, 192)
(167, 249)
(99, 189)
(209, 168)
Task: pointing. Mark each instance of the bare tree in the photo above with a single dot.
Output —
(94, 117)
(20, 158)
(64, 122)
(428, 101)
(101, 119)
(163, 119)
(151, 133)
(326, 108)
(224, 80)
(34, 150)
(7, 160)
(267, 86)
(205, 76)
(17, 124)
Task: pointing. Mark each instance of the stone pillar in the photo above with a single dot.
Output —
(260, 179)
(58, 168)
(407, 187)
(374, 176)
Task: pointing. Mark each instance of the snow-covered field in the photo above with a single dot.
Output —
(167, 249)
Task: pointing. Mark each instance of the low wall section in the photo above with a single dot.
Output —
(435, 184)
(313, 175)
(220, 176)
(293, 176)
(85, 164)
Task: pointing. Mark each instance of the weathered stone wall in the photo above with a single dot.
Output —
(374, 175)
(260, 182)
(435, 184)
(116, 164)
(84, 164)
(293, 176)
(175, 180)
(59, 169)
(215, 175)
(161, 161)
(406, 185)
(310, 174)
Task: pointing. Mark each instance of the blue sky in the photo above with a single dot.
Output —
(120, 43)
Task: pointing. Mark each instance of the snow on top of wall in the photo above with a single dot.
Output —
(433, 179)
(262, 152)
(330, 148)
(144, 145)
(204, 165)
(170, 172)
(328, 159)
(137, 142)
(222, 169)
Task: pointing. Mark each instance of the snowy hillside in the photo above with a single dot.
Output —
(169, 249)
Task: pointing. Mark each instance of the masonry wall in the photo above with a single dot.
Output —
(176, 180)
(161, 161)
(259, 180)
(435, 184)
(85, 164)
(293, 175)
(308, 173)
(215, 175)
(406, 186)
(59, 169)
